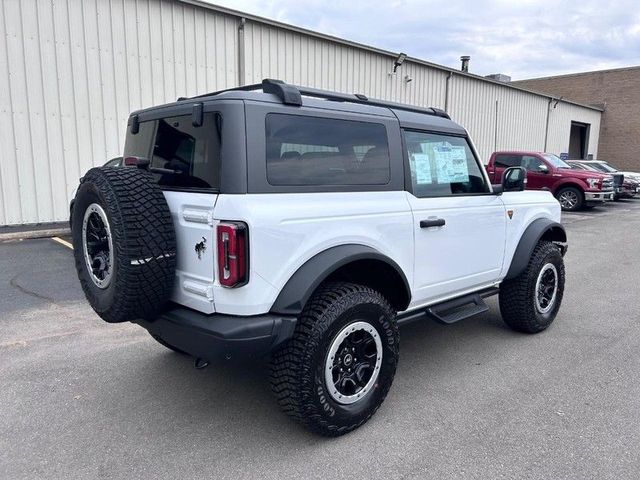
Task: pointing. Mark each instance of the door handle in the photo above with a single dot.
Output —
(436, 222)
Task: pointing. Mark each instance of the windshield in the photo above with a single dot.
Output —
(605, 167)
(601, 167)
(588, 167)
(555, 161)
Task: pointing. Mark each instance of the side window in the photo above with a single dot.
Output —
(139, 145)
(304, 150)
(506, 161)
(442, 165)
(532, 164)
(186, 156)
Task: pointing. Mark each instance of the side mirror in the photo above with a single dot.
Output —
(514, 179)
(543, 168)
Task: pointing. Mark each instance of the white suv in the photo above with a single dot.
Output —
(308, 225)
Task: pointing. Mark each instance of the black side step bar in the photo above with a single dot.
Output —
(453, 310)
(458, 309)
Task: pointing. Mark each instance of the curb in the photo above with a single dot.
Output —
(30, 234)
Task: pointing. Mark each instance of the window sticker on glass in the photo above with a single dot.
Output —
(422, 168)
(451, 164)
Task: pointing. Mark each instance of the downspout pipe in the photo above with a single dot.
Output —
(546, 127)
(241, 54)
(446, 92)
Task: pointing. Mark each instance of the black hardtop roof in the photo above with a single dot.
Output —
(276, 91)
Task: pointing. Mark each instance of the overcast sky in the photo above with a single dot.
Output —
(521, 38)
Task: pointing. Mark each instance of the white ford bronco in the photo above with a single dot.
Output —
(307, 226)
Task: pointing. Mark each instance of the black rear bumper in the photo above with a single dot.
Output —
(216, 336)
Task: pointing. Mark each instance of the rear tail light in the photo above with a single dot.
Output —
(233, 254)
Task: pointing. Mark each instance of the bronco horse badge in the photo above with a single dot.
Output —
(201, 247)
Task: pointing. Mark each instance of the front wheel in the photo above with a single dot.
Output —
(570, 198)
(530, 302)
(337, 369)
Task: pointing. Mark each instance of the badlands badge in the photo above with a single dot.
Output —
(510, 213)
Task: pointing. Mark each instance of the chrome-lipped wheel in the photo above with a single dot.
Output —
(546, 288)
(353, 362)
(97, 245)
(568, 199)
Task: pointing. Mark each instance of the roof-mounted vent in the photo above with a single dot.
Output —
(465, 62)
(499, 77)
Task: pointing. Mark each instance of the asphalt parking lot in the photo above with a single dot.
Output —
(83, 399)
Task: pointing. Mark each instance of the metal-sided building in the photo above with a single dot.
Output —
(72, 70)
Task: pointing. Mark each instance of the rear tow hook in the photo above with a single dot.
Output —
(200, 363)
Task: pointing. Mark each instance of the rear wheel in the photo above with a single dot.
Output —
(570, 198)
(337, 369)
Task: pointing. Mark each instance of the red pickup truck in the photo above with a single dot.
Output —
(574, 189)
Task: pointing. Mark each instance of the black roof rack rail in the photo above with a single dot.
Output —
(362, 99)
(292, 95)
(243, 88)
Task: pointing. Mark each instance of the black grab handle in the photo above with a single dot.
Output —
(438, 222)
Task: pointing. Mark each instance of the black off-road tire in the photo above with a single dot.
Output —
(297, 370)
(517, 296)
(579, 196)
(143, 242)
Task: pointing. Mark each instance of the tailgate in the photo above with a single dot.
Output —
(192, 215)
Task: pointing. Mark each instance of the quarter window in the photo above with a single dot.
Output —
(139, 144)
(304, 150)
(189, 156)
(442, 165)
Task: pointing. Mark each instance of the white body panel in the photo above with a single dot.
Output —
(527, 206)
(465, 253)
(286, 230)
(631, 175)
(472, 251)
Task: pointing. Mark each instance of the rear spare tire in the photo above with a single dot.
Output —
(124, 243)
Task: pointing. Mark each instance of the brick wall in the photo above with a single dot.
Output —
(619, 91)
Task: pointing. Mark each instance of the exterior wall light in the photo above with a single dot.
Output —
(399, 61)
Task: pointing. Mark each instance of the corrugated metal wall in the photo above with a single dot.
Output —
(560, 119)
(496, 116)
(272, 52)
(72, 70)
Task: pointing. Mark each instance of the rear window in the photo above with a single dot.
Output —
(181, 155)
(304, 150)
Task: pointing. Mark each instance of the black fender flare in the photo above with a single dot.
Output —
(542, 227)
(301, 285)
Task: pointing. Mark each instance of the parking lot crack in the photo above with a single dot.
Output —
(14, 283)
